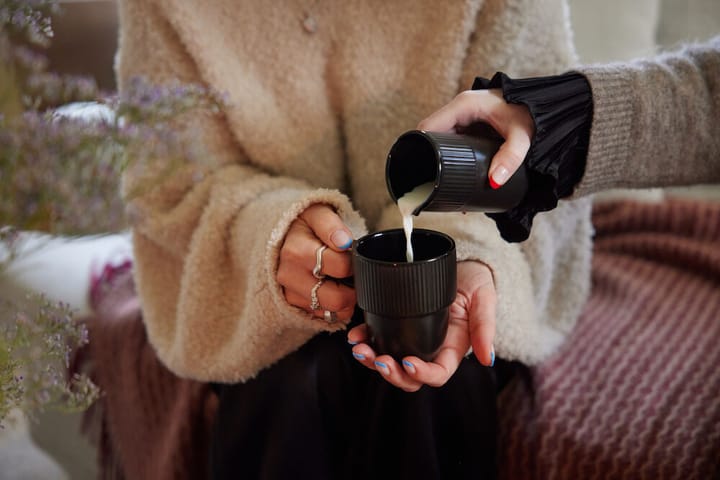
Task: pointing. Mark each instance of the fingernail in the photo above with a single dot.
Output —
(492, 357)
(341, 239)
(359, 356)
(499, 177)
(351, 342)
(383, 368)
(410, 367)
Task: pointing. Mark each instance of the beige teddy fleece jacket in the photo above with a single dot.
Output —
(311, 120)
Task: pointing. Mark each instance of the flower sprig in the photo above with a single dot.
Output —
(35, 352)
(60, 173)
(31, 19)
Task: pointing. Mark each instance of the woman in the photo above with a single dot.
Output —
(226, 250)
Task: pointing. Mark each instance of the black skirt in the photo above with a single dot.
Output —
(319, 414)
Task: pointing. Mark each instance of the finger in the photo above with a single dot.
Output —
(442, 120)
(437, 372)
(300, 248)
(386, 366)
(364, 354)
(358, 334)
(481, 324)
(342, 314)
(428, 373)
(395, 374)
(459, 111)
(333, 296)
(466, 108)
(328, 226)
(510, 156)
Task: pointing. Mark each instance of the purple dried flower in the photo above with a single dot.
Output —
(29, 18)
(42, 345)
(61, 173)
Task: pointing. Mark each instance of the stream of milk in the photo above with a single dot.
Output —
(407, 203)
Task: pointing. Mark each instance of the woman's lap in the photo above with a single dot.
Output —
(319, 414)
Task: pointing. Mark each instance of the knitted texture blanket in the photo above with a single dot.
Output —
(634, 392)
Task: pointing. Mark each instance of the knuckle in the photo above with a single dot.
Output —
(338, 301)
(332, 302)
(513, 158)
(493, 116)
(283, 276)
(291, 252)
(464, 96)
(437, 383)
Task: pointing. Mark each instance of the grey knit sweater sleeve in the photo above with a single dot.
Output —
(655, 122)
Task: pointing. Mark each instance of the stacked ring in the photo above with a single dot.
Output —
(318, 263)
(314, 302)
(330, 317)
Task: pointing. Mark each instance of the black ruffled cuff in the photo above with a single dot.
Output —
(561, 107)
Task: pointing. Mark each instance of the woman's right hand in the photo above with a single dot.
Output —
(511, 121)
(319, 225)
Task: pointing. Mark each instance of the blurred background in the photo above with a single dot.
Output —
(84, 43)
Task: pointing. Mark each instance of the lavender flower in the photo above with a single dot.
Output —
(30, 18)
(64, 172)
(60, 173)
(35, 353)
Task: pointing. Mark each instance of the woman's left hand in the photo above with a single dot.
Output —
(471, 323)
(512, 121)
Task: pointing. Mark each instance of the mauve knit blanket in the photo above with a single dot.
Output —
(633, 393)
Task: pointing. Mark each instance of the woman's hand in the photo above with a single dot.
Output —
(471, 322)
(318, 225)
(511, 121)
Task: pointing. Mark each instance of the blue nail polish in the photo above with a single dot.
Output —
(382, 367)
(351, 342)
(410, 366)
(492, 358)
(347, 245)
(359, 356)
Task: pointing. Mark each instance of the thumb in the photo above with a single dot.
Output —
(482, 325)
(475, 279)
(509, 157)
(327, 225)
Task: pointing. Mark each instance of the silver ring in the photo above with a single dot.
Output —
(314, 302)
(318, 262)
(330, 317)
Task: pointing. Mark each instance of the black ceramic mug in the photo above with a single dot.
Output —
(405, 305)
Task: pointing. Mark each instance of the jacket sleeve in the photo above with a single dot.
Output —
(207, 234)
(656, 122)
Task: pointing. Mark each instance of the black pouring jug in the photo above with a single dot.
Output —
(457, 165)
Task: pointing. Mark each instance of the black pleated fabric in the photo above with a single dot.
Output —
(561, 107)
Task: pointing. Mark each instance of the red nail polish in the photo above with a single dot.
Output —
(493, 184)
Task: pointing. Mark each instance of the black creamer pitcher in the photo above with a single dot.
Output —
(457, 164)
